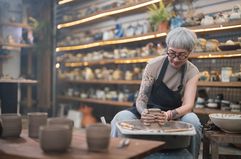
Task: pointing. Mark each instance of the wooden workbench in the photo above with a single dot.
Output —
(28, 148)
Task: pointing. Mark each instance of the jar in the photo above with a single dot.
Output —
(226, 73)
(235, 107)
(225, 105)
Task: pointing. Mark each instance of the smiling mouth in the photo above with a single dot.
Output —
(176, 63)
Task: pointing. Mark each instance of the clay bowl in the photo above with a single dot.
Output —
(230, 123)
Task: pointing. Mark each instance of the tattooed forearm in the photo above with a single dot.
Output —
(175, 114)
(144, 92)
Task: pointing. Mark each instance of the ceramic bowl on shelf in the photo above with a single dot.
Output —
(230, 123)
(226, 47)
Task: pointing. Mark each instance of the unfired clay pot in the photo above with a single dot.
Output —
(62, 121)
(54, 138)
(11, 125)
(98, 137)
(35, 120)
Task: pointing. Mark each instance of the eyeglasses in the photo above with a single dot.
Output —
(172, 54)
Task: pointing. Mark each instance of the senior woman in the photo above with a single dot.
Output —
(169, 82)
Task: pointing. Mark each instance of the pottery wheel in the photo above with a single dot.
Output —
(169, 126)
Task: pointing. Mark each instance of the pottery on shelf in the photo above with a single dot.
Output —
(88, 118)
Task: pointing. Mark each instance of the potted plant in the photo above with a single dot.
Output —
(159, 16)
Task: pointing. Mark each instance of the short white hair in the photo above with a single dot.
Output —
(181, 38)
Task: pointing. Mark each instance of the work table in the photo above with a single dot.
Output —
(25, 147)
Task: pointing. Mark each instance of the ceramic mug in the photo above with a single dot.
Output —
(35, 120)
(11, 125)
(54, 138)
(62, 121)
(98, 137)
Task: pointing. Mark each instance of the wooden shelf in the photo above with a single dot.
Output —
(122, 40)
(138, 82)
(5, 46)
(5, 56)
(89, 100)
(112, 61)
(226, 26)
(107, 13)
(206, 111)
(235, 24)
(20, 25)
(126, 82)
(22, 81)
(219, 84)
(221, 54)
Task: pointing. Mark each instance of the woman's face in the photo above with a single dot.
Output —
(177, 57)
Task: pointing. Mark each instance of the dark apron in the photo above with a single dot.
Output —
(161, 96)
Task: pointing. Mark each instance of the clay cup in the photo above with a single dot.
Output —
(54, 138)
(11, 125)
(98, 137)
(35, 120)
(62, 121)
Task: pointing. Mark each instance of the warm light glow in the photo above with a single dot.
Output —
(64, 1)
(141, 60)
(160, 35)
(217, 28)
(110, 42)
(218, 56)
(57, 65)
(116, 61)
(78, 47)
(105, 14)
(133, 39)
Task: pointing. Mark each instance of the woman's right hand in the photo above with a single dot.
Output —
(147, 118)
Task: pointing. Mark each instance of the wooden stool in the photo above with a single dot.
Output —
(215, 137)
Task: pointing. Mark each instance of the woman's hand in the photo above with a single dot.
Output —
(162, 118)
(147, 118)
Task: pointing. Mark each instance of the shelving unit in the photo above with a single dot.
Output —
(19, 83)
(203, 55)
(20, 25)
(110, 12)
(28, 82)
(134, 40)
(96, 101)
(149, 36)
(117, 82)
(206, 111)
(6, 46)
(138, 82)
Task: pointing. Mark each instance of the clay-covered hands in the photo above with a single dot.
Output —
(147, 118)
(161, 118)
(153, 115)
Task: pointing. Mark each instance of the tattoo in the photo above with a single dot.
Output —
(175, 114)
(144, 92)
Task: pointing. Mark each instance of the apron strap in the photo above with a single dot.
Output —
(163, 71)
(184, 67)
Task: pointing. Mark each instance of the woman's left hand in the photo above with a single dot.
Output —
(162, 118)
